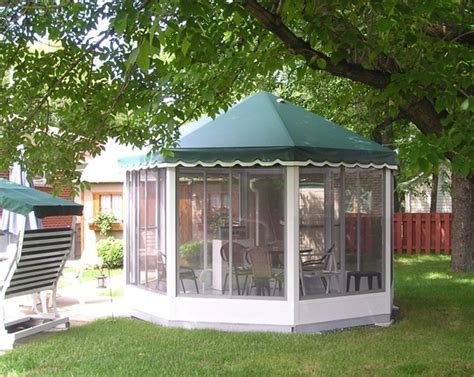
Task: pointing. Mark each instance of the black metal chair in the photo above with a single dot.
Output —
(185, 273)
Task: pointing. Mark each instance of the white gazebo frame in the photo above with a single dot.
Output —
(287, 314)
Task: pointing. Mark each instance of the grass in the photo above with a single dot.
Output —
(433, 336)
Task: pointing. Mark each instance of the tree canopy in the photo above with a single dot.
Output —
(135, 70)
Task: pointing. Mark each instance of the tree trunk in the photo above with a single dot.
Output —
(462, 193)
(434, 193)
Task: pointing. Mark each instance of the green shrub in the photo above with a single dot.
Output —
(110, 251)
(191, 251)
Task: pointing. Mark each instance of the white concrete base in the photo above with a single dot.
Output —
(342, 324)
(378, 320)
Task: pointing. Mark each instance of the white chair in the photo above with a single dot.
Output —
(324, 267)
(35, 267)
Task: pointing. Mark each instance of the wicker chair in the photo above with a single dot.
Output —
(262, 273)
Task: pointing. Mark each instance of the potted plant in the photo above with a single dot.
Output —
(104, 221)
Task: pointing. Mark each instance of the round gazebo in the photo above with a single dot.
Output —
(267, 218)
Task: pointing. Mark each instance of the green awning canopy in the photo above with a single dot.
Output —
(265, 130)
(21, 199)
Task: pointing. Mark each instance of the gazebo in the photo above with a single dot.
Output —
(267, 218)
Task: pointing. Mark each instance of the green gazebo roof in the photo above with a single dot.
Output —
(265, 130)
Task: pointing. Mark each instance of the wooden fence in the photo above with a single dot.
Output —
(422, 233)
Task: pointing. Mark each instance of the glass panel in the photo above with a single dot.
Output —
(320, 245)
(209, 263)
(161, 219)
(364, 232)
(191, 258)
(217, 230)
(312, 214)
(128, 231)
(336, 236)
(146, 228)
(142, 212)
(262, 220)
(151, 229)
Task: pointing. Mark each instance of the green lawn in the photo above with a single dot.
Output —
(434, 336)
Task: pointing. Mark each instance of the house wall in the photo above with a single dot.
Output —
(57, 221)
(420, 204)
(90, 236)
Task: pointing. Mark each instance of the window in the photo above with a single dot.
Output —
(231, 232)
(109, 203)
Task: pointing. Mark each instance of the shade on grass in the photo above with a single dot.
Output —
(433, 336)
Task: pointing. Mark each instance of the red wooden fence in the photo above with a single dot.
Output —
(422, 233)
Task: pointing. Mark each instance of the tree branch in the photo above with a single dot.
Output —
(420, 111)
(58, 81)
(425, 117)
(451, 34)
(298, 46)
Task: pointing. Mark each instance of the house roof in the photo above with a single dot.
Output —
(265, 130)
(104, 168)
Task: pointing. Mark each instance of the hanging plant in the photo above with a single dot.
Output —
(104, 222)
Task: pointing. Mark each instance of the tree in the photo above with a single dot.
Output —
(156, 65)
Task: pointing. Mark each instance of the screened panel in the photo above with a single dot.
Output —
(320, 253)
(147, 229)
(231, 232)
(364, 212)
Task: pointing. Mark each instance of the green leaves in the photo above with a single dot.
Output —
(119, 23)
(143, 56)
(173, 61)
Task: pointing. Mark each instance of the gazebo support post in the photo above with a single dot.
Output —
(342, 227)
(387, 235)
(171, 249)
(292, 277)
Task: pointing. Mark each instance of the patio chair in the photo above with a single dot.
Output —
(262, 272)
(239, 267)
(35, 266)
(324, 267)
(185, 273)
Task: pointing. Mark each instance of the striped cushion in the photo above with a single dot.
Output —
(43, 253)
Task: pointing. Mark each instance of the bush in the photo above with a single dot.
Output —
(110, 251)
(191, 251)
